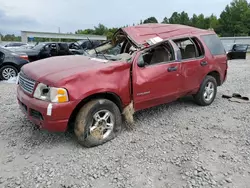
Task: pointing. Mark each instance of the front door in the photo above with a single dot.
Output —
(156, 77)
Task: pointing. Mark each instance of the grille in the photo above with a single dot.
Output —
(26, 83)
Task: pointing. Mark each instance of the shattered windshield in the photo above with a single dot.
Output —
(120, 48)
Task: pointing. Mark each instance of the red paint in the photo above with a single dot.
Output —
(151, 86)
(158, 81)
(60, 113)
(141, 33)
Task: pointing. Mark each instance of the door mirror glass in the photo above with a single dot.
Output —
(141, 62)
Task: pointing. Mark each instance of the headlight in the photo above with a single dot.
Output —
(52, 94)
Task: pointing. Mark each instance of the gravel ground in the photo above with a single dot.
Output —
(174, 145)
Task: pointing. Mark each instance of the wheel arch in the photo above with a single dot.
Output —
(216, 75)
(10, 64)
(104, 95)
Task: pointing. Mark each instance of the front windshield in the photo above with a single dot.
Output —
(120, 48)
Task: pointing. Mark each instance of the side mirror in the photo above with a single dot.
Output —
(141, 62)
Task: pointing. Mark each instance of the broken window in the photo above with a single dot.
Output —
(119, 48)
(160, 54)
(190, 47)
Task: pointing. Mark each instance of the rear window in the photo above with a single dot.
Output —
(214, 44)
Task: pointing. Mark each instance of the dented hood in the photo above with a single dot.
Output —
(55, 71)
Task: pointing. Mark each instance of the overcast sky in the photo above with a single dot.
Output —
(70, 15)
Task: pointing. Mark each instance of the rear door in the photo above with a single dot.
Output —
(194, 64)
(156, 77)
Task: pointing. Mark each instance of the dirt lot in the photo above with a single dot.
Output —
(175, 145)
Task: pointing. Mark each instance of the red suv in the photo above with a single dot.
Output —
(157, 63)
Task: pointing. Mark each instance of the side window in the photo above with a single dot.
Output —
(190, 48)
(214, 44)
(160, 54)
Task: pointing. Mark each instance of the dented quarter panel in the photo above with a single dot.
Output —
(114, 79)
(220, 60)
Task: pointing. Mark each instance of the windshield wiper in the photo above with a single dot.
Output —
(95, 49)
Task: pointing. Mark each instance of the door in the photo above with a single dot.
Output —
(45, 52)
(238, 51)
(156, 77)
(194, 64)
(2, 56)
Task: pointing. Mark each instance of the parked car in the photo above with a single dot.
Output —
(80, 47)
(15, 44)
(45, 50)
(157, 64)
(11, 63)
(237, 51)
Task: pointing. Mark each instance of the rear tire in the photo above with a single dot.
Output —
(207, 92)
(8, 71)
(97, 122)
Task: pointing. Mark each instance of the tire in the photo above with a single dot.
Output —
(13, 72)
(89, 131)
(203, 99)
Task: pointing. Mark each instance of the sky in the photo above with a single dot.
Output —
(49, 15)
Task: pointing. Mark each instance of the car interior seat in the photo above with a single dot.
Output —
(160, 55)
(189, 52)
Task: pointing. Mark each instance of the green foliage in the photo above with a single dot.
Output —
(99, 30)
(10, 38)
(150, 20)
(235, 19)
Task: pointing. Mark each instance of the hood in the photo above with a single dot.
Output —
(55, 71)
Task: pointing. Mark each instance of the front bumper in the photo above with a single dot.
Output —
(37, 111)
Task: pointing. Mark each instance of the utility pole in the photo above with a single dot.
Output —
(59, 32)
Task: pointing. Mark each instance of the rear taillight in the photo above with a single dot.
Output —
(24, 57)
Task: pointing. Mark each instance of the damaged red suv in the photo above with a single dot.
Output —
(156, 64)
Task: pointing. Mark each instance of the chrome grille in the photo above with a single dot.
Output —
(26, 83)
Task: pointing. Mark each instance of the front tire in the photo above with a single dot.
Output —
(207, 91)
(98, 122)
(7, 72)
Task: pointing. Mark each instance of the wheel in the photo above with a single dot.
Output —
(98, 122)
(207, 91)
(8, 71)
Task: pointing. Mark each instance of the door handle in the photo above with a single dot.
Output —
(172, 69)
(203, 63)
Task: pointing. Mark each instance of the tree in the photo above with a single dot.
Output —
(165, 21)
(194, 20)
(150, 20)
(184, 18)
(234, 20)
(175, 18)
